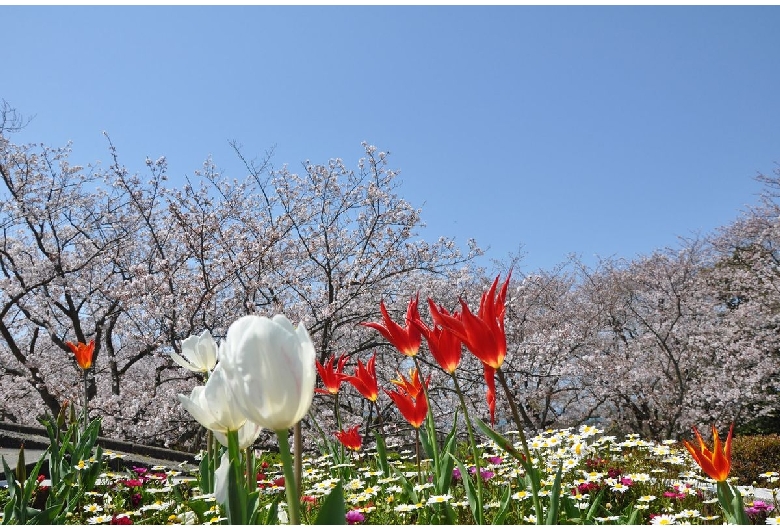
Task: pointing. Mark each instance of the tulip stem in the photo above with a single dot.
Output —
(251, 478)
(290, 487)
(526, 451)
(480, 517)
(86, 395)
(417, 452)
(298, 461)
(236, 487)
(211, 459)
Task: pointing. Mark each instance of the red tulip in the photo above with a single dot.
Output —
(84, 353)
(414, 410)
(716, 463)
(331, 375)
(364, 379)
(350, 438)
(483, 333)
(444, 345)
(405, 339)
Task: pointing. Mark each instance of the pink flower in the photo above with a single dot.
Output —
(355, 517)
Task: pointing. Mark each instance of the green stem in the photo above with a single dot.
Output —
(341, 453)
(236, 504)
(474, 452)
(417, 452)
(531, 470)
(298, 448)
(290, 489)
(211, 460)
(251, 479)
(86, 414)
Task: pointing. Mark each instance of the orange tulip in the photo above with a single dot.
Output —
(716, 463)
(364, 379)
(413, 386)
(331, 374)
(350, 438)
(83, 353)
(405, 339)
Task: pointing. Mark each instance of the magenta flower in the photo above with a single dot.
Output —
(355, 517)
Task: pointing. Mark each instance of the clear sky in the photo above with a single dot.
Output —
(601, 131)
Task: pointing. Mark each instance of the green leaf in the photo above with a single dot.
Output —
(381, 454)
(272, 517)
(470, 493)
(572, 512)
(236, 501)
(594, 508)
(426, 442)
(47, 516)
(206, 475)
(507, 446)
(407, 486)
(502, 512)
(333, 510)
(632, 520)
(21, 466)
(555, 495)
(446, 464)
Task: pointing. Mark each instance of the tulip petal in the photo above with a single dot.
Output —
(221, 479)
(196, 406)
(181, 361)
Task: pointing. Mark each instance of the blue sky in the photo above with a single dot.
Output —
(601, 131)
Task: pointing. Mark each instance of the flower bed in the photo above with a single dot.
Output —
(606, 480)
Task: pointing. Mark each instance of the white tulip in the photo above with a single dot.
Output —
(212, 405)
(199, 353)
(270, 367)
(247, 434)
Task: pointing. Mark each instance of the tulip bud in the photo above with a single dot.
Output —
(270, 368)
(21, 466)
(61, 414)
(198, 353)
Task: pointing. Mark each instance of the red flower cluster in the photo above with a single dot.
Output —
(482, 333)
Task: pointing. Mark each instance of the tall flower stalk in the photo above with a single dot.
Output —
(84, 354)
